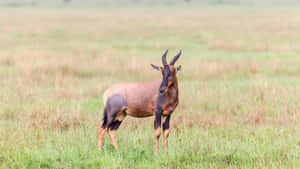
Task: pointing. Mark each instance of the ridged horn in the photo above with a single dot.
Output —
(175, 58)
(164, 60)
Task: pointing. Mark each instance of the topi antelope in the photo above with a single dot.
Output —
(158, 98)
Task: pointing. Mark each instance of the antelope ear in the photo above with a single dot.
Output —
(178, 69)
(155, 67)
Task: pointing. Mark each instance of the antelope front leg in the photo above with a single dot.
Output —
(157, 126)
(166, 126)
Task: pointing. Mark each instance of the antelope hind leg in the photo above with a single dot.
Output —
(116, 112)
(101, 133)
(112, 133)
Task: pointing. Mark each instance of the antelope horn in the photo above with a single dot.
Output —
(164, 60)
(175, 58)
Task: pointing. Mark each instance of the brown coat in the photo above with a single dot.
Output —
(142, 97)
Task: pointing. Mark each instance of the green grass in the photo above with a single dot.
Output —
(247, 147)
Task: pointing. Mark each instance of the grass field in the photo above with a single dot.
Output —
(239, 86)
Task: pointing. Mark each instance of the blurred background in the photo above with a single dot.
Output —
(239, 84)
(147, 3)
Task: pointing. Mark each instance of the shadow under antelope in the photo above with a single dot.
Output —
(137, 99)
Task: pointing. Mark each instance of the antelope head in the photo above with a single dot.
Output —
(168, 72)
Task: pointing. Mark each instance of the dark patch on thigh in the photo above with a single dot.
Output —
(166, 123)
(115, 103)
(115, 108)
(115, 125)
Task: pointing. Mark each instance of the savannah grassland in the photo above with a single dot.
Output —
(239, 86)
